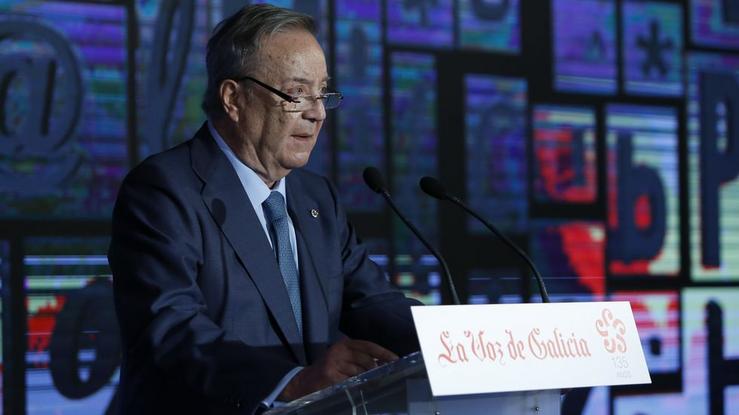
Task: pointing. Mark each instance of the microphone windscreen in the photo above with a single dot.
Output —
(373, 179)
(433, 187)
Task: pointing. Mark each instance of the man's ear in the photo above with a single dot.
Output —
(229, 92)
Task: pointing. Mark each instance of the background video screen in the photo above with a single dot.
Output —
(426, 23)
(599, 135)
(584, 46)
(495, 125)
(657, 315)
(359, 60)
(490, 26)
(643, 190)
(569, 255)
(718, 263)
(414, 155)
(715, 23)
(73, 345)
(564, 164)
(66, 160)
(652, 48)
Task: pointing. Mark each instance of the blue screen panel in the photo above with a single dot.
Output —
(414, 144)
(360, 132)
(63, 151)
(490, 26)
(709, 315)
(495, 126)
(421, 22)
(73, 350)
(570, 257)
(419, 277)
(643, 190)
(564, 167)
(657, 315)
(652, 48)
(715, 23)
(712, 166)
(170, 72)
(584, 46)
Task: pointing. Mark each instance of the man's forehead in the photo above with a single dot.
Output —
(293, 56)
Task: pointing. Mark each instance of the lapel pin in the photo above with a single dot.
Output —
(314, 213)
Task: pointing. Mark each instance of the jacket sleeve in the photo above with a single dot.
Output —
(155, 254)
(373, 308)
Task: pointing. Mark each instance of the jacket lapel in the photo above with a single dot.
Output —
(229, 205)
(313, 287)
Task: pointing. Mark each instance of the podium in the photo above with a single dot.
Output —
(501, 359)
(402, 387)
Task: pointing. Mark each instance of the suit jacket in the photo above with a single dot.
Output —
(206, 321)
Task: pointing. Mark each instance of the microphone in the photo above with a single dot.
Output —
(373, 179)
(434, 188)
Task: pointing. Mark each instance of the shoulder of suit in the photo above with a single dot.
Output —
(173, 161)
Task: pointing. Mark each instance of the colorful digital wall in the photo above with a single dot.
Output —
(601, 135)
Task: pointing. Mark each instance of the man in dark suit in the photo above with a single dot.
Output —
(236, 285)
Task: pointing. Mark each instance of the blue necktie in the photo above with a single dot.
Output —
(275, 213)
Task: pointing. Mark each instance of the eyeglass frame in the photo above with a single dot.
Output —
(287, 97)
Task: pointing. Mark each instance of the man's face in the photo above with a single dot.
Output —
(292, 62)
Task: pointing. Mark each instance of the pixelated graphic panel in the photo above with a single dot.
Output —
(564, 154)
(713, 166)
(710, 341)
(657, 316)
(74, 349)
(715, 23)
(490, 26)
(643, 190)
(63, 151)
(414, 141)
(652, 48)
(584, 46)
(170, 70)
(420, 22)
(419, 277)
(710, 359)
(570, 258)
(495, 125)
(360, 118)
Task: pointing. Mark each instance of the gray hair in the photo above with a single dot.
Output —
(235, 41)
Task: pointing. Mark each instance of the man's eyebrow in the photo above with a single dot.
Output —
(308, 81)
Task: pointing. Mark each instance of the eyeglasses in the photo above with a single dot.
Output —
(330, 100)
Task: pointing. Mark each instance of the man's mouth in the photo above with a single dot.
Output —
(302, 136)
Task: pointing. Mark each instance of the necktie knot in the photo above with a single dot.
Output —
(274, 207)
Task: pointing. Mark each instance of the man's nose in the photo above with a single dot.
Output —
(316, 111)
